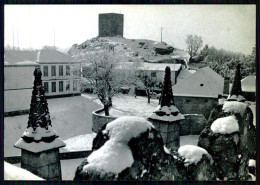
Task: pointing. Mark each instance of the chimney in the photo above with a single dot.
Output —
(226, 86)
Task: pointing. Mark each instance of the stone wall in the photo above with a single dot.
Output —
(99, 120)
(111, 25)
(195, 105)
(193, 124)
(45, 164)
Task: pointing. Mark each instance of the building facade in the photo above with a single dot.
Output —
(18, 83)
(60, 73)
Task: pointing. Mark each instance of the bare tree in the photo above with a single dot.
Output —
(103, 72)
(194, 43)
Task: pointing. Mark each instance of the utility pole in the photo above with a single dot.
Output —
(54, 38)
(13, 38)
(18, 40)
(161, 33)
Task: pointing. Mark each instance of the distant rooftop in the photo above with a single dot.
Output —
(40, 56)
(249, 84)
(203, 83)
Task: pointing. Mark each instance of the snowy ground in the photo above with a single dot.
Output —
(128, 105)
(71, 116)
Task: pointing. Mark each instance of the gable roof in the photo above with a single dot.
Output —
(184, 74)
(203, 83)
(40, 56)
(46, 56)
(249, 84)
(14, 56)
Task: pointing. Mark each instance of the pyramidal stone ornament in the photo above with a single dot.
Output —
(236, 93)
(167, 110)
(166, 117)
(40, 143)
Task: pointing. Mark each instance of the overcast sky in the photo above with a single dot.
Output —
(231, 27)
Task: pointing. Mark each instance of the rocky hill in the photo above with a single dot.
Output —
(131, 49)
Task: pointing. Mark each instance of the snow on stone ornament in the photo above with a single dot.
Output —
(225, 125)
(39, 128)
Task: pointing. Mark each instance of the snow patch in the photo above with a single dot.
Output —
(191, 153)
(166, 150)
(39, 133)
(80, 143)
(252, 162)
(169, 114)
(115, 155)
(226, 125)
(26, 63)
(234, 107)
(111, 157)
(125, 128)
(12, 172)
(236, 98)
(39, 147)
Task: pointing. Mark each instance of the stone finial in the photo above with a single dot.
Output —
(39, 126)
(167, 95)
(166, 111)
(236, 93)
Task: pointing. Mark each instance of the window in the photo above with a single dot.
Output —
(67, 70)
(53, 70)
(201, 85)
(45, 70)
(68, 86)
(46, 87)
(53, 86)
(60, 70)
(188, 100)
(74, 85)
(153, 74)
(60, 86)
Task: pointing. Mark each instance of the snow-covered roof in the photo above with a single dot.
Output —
(191, 153)
(184, 74)
(248, 84)
(53, 56)
(225, 125)
(12, 172)
(203, 83)
(14, 56)
(159, 66)
(27, 62)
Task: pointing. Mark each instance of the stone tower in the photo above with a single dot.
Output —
(110, 25)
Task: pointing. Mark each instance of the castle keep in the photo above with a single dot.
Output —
(110, 24)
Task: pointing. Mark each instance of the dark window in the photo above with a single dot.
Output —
(60, 86)
(67, 70)
(201, 85)
(68, 86)
(74, 85)
(45, 70)
(206, 100)
(46, 86)
(188, 100)
(75, 72)
(60, 70)
(53, 70)
(153, 74)
(53, 86)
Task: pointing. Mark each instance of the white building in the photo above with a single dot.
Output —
(60, 73)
